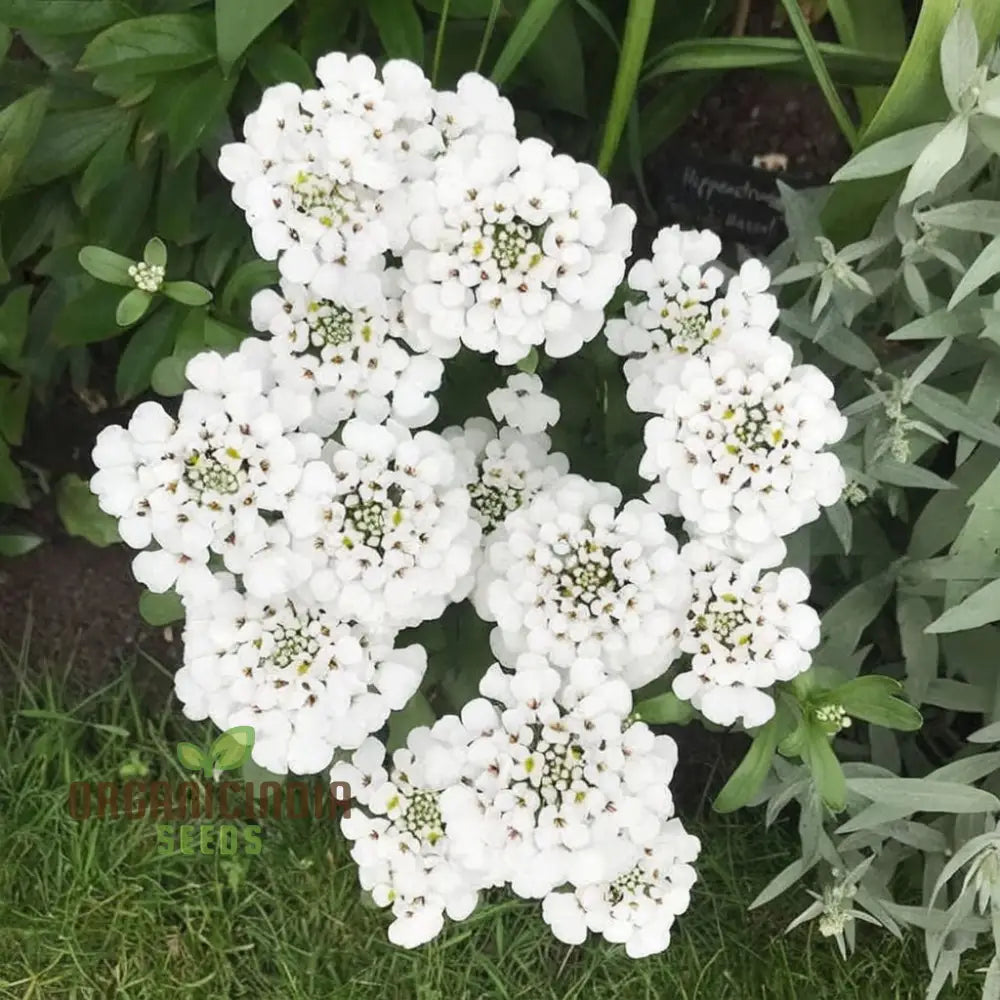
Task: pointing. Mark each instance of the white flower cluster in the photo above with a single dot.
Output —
(737, 447)
(305, 514)
(542, 785)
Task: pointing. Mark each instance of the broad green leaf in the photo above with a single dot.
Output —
(14, 315)
(233, 748)
(843, 623)
(399, 28)
(637, 24)
(974, 216)
(247, 280)
(903, 474)
(193, 758)
(556, 60)
(984, 402)
(155, 252)
(239, 22)
(20, 124)
(67, 140)
(88, 318)
(842, 521)
(522, 38)
(80, 514)
(959, 56)
(188, 293)
(272, 63)
(664, 708)
(133, 306)
(14, 396)
(18, 544)
(152, 44)
(416, 712)
(942, 153)
(956, 696)
(920, 649)
(61, 17)
(195, 107)
(979, 608)
(988, 734)
(105, 265)
(221, 337)
(105, 165)
(12, 489)
(168, 378)
(148, 344)
(752, 770)
(878, 705)
(967, 318)
(924, 795)
(822, 762)
(845, 65)
(952, 413)
(968, 770)
(982, 269)
(160, 609)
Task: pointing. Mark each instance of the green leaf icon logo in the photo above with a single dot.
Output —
(194, 758)
(232, 749)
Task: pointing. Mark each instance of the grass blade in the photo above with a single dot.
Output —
(522, 38)
(822, 74)
(637, 25)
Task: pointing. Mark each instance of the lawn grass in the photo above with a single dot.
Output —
(89, 910)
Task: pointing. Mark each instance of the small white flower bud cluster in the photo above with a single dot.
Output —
(147, 277)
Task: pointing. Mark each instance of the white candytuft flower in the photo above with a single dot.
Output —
(638, 907)
(513, 247)
(306, 681)
(147, 277)
(739, 449)
(683, 312)
(523, 404)
(204, 483)
(405, 859)
(744, 632)
(505, 469)
(560, 793)
(386, 519)
(570, 574)
(341, 357)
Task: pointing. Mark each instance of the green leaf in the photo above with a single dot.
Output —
(416, 712)
(247, 280)
(472, 9)
(195, 107)
(637, 24)
(822, 762)
(88, 318)
(890, 155)
(954, 414)
(745, 781)
(232, 749)
(399, 28)
(105, 265)
(903, 474)
(941, 154)
(14, 315)
(979, 608)
(924, 795)
(20, 124)
(842, 521)
(973, 216)
(820, 71)
(12, 545)
(155, 252)
(843, 623)
(80, 514)
(664, 708)
(14, 396)
(160, 609)
(168, 378)
(151, 44)
(11, 482)
(522, 38)
(105, 165)
(193, 758)
(982, 269)
(147, 345)
(272, 63)
(959, 55)
(845, 65)
(920, 648)
(984, 403)
(239, 22)
(221, 337)
(188, 293)
(67, 140)
(133, 306)
(61, 17)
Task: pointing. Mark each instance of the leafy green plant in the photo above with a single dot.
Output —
(229, 752)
